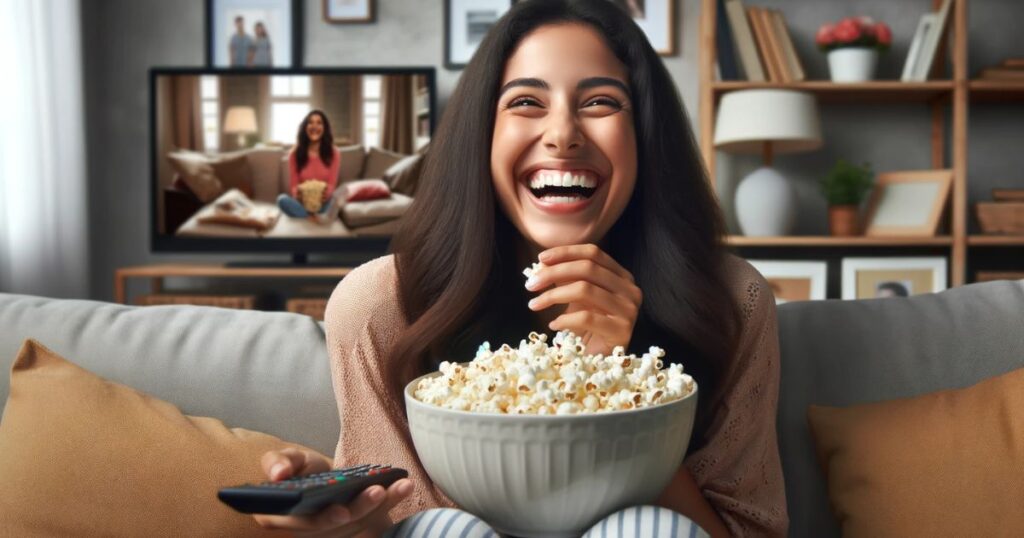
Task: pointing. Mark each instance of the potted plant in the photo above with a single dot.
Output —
(845, 187)
(853, 45)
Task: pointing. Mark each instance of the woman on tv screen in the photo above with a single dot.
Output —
(313, 171)
(632, 254)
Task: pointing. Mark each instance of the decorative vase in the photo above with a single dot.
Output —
(852, 64)
(843, 220)
(766, 204)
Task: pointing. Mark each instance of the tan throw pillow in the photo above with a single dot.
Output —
(378, 161)
(404, 175)
(948, 463)
(197, 173)
(370, 212)
(234, 173)
(83, 456)
(352, 159)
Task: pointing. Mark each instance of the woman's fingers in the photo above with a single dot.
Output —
(372, 503)
(587, 251)
(287, 462)
(613, 330)
(589, 271)
(589, 295)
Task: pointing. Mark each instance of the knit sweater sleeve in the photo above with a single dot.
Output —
(739, 470)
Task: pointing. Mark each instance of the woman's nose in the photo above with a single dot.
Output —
(561, 131)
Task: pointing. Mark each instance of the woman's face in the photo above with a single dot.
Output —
(315, 128)
(563, 157)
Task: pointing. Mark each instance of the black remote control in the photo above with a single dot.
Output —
(301, 495)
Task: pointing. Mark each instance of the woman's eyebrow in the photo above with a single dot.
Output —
(592, 82)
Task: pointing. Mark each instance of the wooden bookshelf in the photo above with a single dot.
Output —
(990, 91)
(995, 240)
(946, 95)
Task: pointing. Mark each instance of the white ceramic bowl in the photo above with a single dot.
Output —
(550, 475)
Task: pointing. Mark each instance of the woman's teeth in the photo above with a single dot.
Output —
(562, 187)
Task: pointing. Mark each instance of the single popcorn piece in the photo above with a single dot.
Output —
(535, 378)
(531, 270)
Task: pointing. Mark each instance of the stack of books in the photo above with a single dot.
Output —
(1011, 70)
(754, 44)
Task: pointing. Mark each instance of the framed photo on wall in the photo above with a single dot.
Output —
(657, 18)
(348, 11)
(908, 203)
(794, 280)
(466, 22)
(869, 278)
(254, 34)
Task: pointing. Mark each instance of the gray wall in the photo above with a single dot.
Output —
(124, 38)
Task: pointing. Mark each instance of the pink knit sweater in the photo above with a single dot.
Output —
(738, 470)
(314, 169)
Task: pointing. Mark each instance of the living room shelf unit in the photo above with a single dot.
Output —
(940, 95)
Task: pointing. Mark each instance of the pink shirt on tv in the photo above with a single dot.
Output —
(314, 169)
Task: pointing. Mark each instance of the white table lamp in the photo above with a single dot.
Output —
(767, 122)
(240, 120)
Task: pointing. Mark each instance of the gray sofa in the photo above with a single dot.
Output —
(269, 371)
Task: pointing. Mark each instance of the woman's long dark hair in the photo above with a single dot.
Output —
(456, 253)
(326, 141)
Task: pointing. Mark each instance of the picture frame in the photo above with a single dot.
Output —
(867, 278)
(466, 22)
(349, 11)
(657, 18)
(925, 25)
(907, 203)
(793, 281)
(279, 46)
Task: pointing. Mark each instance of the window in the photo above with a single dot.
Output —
(208, 94)
(371, 110)
(289, 104)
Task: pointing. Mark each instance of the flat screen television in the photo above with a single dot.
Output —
(220, 141)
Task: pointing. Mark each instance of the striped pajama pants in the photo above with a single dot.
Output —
(634, 522)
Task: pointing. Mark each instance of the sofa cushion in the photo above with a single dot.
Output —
(352, 160)
(378, 161)
(948, 463)
(265, 371)
(841, 353)
(234, 173)
(83, 456)
(197, 173)
(266, 172)
(404, 175)
(370, 212)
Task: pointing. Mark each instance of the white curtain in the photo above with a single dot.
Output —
(43, 209)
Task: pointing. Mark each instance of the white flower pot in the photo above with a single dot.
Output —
(852, 64)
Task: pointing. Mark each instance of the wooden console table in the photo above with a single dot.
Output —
(156, 274)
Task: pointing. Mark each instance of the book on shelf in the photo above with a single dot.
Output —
(923, 48)
(792, 60)
(735, 18)
(724, 42)
(1002, 74)
(763, 46)
(774, 44)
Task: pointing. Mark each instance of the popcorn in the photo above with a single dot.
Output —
(529, 271)
(311, 194)
(558, 379)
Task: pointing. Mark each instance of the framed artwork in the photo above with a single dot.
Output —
(348, 11)
(907, 203)
(868, 278)
(657, 18)
(794, 281)
(254, 34)
(466, 22)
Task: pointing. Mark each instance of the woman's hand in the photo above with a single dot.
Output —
(366, 515)
(602, 298)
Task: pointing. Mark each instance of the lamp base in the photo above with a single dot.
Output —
(766, 204)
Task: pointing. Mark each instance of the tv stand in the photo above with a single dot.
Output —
(156, 274)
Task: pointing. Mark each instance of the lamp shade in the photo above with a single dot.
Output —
(240, 120)
(749, 118)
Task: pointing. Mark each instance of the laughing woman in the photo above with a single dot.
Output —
(313, 158)
(634, 256)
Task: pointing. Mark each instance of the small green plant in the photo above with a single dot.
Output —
(847, 184)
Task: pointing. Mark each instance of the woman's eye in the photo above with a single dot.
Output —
(522, 101)
(603, 101)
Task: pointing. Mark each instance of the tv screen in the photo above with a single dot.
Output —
(313, 160)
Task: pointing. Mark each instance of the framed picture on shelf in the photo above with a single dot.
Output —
(466, 22)
(868, 278)
(348, 11)
(794, 280)
(907, 203)
(657, 18)
(254, 34)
